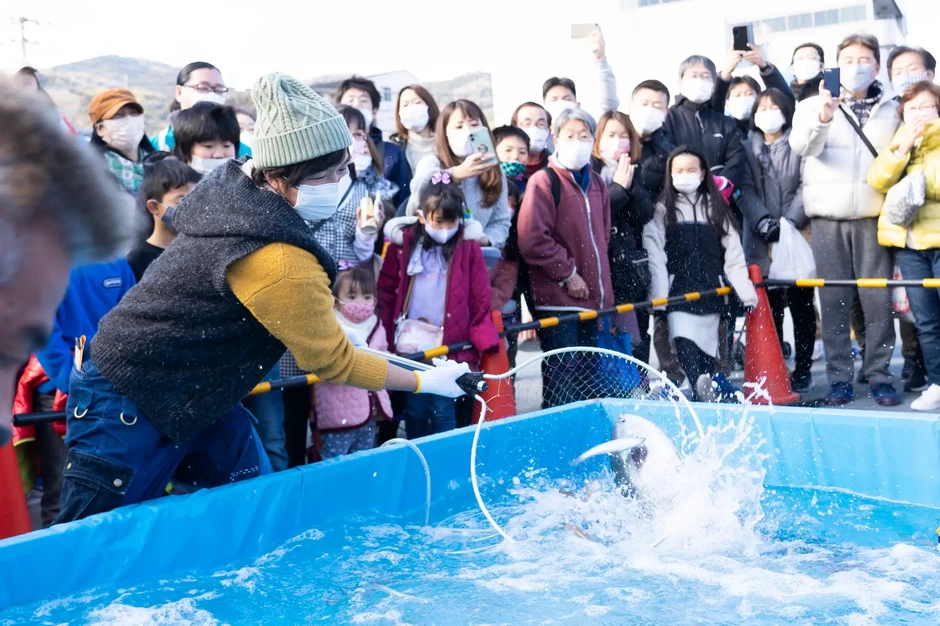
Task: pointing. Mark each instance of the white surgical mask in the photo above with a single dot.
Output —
(538, 138)
(687, 183)
(361, 157)
(124, 133)
(857, 77)
(440, 235)
(366, 113)
(740, 108)
(769, 121)
(647, 120)
(555, 108)
(206, 166)
(414, 117)
(319, 202)
(209, 96)
(902, 82)
(806, 69)
(247, 137)
(573, 154)
(459, 141)
(698, 90)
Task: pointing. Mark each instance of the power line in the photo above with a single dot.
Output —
(23, 41)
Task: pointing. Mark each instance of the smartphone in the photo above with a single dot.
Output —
(832, 81)
(481, 142)
(742, 36)
(581, 31)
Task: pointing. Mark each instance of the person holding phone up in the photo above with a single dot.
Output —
(458, 137)
(837, 135)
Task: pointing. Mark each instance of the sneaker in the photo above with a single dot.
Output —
(885, 394)
(819, 351)
(929, 400)
(801, 382)
(725, 391)
(917, 382)
(703, 389)
(839, 393)
(862, 378)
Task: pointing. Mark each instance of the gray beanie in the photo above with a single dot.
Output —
(294, 123)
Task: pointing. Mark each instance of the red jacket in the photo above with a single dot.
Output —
(34, 376)
(467, 317)
(556, 241)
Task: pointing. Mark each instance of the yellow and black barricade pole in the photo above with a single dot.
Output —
(27, 419)
(859, 283)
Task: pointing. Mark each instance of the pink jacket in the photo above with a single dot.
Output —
(556, 241)
(340, 407)
(467, 316)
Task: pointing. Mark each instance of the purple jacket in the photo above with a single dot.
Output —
(556, 241)
(467, 314)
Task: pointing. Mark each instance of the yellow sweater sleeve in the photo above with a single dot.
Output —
(887, 169)
(286, 289)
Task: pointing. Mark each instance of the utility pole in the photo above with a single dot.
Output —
(23, 41)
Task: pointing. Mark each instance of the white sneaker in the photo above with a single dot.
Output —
(704, 388)
(818, 350)
(929, 400)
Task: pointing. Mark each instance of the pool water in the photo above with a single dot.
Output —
(714, 546)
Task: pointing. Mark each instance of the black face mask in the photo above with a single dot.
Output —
(168, 216)
(6, 433)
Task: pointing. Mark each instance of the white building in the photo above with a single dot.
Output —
(649, 38)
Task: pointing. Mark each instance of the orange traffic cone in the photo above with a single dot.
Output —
(14, 516)
(500, 397)
(763, 356)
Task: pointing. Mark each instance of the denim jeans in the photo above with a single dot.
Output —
(925, 304)
(268, 409)
(116, 457)
(427, 414)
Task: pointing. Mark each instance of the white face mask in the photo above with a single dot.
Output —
(209, 96)
(647, 120)
(538, 138)
(440, 235)
(459, 141)
(206, 166)
(124, 133)
(367, 113)
(698, 90)
(687, 183)
(740, 108)
(806, 69)
(246, 137)
(770, 121)
(361, 157)
(902, 82)
(414, 117)
(573, 154)
(555, 108)
(319, 202)
(857, 77)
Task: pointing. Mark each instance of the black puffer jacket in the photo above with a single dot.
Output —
(651, 168)
(714, 134)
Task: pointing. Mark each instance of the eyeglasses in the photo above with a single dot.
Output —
(220, 90)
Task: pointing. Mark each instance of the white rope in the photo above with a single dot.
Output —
(643, 367)
(427, 473)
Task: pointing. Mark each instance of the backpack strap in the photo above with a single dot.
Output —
(556, 185)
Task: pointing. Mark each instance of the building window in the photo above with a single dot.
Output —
(853, 14)
(775, 25)
(387, 94)
(827, 18)
(646, 3)
(803, 20)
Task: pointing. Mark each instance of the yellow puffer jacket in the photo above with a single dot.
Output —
(888, 169)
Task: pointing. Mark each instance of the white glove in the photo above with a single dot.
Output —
(441, 380)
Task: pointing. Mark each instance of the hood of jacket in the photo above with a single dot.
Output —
(394, 229)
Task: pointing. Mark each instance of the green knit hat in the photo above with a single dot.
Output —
(294, 123)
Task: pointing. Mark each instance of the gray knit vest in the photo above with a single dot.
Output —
(180, 344)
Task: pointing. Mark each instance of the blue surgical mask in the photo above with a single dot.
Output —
(319, 202)
(168, 216)
(903, 82)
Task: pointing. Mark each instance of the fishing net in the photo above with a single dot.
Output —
(508, 462)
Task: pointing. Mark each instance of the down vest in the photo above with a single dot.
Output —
(888, 169)
(836, 161)
(340, 407)
(467, 314)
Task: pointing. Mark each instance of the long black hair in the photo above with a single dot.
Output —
(719, 215)
(446, 198)
(183, 77)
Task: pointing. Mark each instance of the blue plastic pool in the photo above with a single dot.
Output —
(796, 516)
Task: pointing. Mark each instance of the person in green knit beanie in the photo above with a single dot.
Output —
(157, 393)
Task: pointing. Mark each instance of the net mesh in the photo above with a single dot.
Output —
(505, 463)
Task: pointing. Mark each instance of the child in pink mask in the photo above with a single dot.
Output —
(346, 416)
